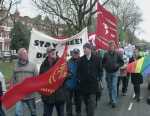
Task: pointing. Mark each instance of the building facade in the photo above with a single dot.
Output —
(45, 26)
(4, 38)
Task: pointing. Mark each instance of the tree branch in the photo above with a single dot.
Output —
(75, 4)
(90, 8)
(7, 12)
(105, 2)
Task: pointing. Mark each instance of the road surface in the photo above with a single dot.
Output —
(125, 107)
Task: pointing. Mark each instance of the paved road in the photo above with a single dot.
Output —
(126, 105)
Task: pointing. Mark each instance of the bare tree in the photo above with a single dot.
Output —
(128, 13)
(75, 13)
(5, 7)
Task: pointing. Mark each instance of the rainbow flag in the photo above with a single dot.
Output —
(140, 66)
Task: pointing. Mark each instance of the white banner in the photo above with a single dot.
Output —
(39, 43)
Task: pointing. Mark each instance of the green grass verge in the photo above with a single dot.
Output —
(7, 68)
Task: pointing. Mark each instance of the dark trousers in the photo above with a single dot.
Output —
(137, 90)
(125, 81)
(73, 95)
(90, 104)
(2, 113)
(48, 108)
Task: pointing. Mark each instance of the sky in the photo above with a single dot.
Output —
(27, 9)
(145, 25)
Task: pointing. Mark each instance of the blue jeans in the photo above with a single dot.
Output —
(111, 79)
(19, 111)
(48, 108)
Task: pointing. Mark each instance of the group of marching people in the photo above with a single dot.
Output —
(84, 73)
(83, 83)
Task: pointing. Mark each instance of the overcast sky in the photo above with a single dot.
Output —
(26, 8)
(145, 25)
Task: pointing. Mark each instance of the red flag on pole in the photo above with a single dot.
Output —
(46, 83)
(99, 43)
(106, 28)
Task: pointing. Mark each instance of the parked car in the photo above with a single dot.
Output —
(6, 56)
(1, 55)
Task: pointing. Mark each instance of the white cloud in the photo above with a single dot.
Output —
(27, 8)
(145, 25)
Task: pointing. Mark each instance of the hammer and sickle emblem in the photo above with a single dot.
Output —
(58, 74)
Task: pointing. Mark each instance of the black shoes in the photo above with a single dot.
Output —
(78, 114)
(113, 105)
(138, 99)
(124, 94)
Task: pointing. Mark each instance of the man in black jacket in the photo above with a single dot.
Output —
(112, 61)
(58, 98)
(89, 69)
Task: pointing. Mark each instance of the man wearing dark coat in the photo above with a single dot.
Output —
(89, 70)
(56, 99)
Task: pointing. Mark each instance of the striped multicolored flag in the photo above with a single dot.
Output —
(140, 66)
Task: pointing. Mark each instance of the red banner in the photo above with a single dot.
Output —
(100, 44)
(47, 83)
(106, 27)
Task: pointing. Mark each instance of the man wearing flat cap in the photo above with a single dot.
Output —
(89, 69)
(72, 84)
(57, 99)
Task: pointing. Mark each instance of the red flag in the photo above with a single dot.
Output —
(108, 15)
(100, 27)
(106, 25)
(99, 43)
(47, 83)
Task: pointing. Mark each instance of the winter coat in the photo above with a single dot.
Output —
(112, 61)
(136, 78)
(59, 95)
(88, 73)
(72, 80)
(1, 91)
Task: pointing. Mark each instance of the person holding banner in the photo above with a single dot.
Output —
(112, 62)
(89, 69)
(22, 70)
(72, 84)
(58, 98)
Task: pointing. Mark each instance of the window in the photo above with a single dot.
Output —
(1, 46)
